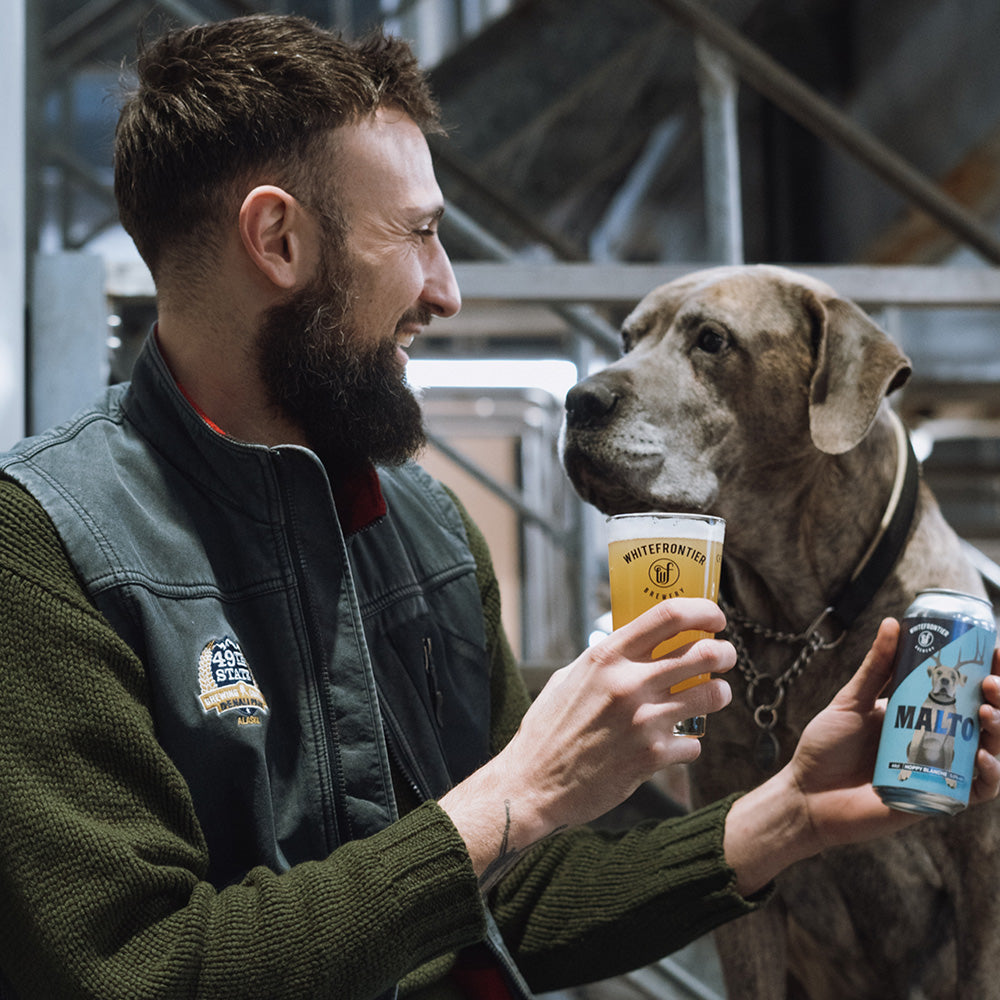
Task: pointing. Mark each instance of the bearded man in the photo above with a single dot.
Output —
(263, 736)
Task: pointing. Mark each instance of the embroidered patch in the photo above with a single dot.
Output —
(227, 683)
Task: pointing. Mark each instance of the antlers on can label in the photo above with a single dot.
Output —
(931, 728)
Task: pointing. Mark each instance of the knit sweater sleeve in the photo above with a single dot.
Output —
(102, 860)
(585, 904)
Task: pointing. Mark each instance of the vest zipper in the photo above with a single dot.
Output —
(395, 758)
(335, 815)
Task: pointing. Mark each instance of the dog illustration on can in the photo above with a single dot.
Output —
(933, 745)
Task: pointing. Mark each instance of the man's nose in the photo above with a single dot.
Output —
(441, 293)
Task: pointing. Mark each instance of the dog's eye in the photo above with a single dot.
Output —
(711, 340)
(628, 341)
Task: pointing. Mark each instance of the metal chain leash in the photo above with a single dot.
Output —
(765, 693)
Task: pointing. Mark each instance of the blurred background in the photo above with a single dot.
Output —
(596, 148)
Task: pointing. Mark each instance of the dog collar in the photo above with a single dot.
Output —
(886, 547)
(884, 550)
(765, 693)
(940, 701)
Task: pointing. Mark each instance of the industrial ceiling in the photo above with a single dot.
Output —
(595, 144)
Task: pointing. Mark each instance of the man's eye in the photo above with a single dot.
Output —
(710, 340)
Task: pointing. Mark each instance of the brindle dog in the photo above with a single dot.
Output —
(758, 394)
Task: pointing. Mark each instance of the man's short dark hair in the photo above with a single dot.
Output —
(220, 108)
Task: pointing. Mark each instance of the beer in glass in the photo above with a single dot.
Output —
(655, 556)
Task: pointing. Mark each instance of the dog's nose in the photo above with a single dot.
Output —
(590, 403)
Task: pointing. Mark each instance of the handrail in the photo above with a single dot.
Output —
(824, 120)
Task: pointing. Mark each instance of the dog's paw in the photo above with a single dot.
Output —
(903, 775)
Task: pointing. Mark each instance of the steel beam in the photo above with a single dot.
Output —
(718, 90)
(12, 225)
(540, 284)
(624, 284)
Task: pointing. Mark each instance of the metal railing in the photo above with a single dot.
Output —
(825, 121)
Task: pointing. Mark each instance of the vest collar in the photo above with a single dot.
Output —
(164, 412)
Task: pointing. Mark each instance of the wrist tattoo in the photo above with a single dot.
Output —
(506, 857)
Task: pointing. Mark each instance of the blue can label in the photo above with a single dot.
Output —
(931, 728)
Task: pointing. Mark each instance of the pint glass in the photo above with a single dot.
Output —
(656, 556)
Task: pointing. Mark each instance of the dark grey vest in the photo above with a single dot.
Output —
(283, 659)
(286, 662)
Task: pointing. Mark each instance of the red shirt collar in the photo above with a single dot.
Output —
(359, 499)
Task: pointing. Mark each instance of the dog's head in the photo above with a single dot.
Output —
(945, 681)
(729, 375)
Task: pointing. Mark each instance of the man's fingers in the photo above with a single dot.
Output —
(876, 669)
(665, 620)
(989, 716)
(986, 777)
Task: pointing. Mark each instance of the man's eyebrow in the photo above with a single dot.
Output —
(419, 216)
(428, 214)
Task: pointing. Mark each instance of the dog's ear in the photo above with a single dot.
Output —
(857, 366)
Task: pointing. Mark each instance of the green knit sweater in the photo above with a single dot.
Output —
(102, 860)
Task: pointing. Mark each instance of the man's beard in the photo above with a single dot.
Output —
(345, 392)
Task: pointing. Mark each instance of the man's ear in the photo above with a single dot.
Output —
(275, 232)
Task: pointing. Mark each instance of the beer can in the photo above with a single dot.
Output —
(931, 727)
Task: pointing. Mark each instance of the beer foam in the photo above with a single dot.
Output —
(623, 527)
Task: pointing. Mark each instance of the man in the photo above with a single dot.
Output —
(263, 736)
